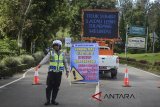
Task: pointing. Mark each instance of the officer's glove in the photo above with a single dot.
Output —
(37, 67)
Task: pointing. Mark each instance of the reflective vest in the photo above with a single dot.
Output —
(56, 62)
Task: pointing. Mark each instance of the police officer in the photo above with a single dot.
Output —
(57, 63)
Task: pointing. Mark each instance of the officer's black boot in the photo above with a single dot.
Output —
(47, 103)
(54, 95)
(54, 103)
(48, 94)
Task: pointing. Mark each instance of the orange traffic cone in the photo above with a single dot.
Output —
(126, 79)
(36, 78)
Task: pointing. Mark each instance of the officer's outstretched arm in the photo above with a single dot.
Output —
(44, 61)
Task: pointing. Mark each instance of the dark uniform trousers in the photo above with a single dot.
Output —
(53, 83)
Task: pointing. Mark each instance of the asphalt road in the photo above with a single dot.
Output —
(142, 93)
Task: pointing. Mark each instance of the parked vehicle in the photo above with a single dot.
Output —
(107, 62)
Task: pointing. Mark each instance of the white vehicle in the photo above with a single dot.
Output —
(108, 63)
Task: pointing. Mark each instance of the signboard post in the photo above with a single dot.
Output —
(84, 62)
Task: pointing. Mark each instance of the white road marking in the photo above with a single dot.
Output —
(23, 76)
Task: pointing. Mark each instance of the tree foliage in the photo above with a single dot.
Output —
(142, 13)
(47, 17)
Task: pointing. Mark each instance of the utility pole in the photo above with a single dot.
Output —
(147, 40)
(126, 43)
(154, 37)
(146, 23)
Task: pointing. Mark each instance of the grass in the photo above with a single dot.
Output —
(150, 57)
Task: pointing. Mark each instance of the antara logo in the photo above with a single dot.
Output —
(119, 96)
(98, 96)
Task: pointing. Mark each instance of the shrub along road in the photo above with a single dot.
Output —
(143, 93)
(149, 57)
(148, 61)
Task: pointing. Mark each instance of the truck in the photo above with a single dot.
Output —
(108, 62)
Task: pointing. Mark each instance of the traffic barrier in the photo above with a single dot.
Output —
(126, 79)
(36, 78)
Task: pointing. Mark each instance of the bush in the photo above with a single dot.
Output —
(143, 62)
(119, 48)
(2, 66)
(38, 56)
(23, 51)
(11, 65)
(157, 64)
(27, 59)
(4, 46)
(11, 62)
(122, 58)
(6, 54)
(131, 59)
(128, 59)
(3, 72)
(13, 45)
(7, 45)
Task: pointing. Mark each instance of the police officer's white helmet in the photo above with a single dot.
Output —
(57, 42)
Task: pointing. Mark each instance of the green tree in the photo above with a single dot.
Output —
(122, 28)
(157, 45)
(154, 23)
